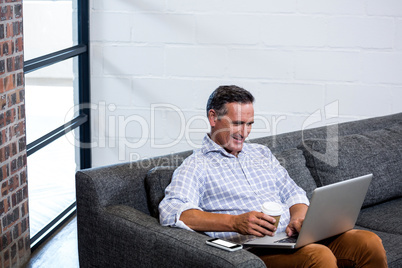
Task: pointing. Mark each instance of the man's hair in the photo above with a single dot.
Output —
(227, 94)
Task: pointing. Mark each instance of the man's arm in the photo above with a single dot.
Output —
(297, 215)
(251, 223)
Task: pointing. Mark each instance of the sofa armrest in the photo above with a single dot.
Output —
(124, 237)
(119, 184)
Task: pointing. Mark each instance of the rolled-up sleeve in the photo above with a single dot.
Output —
(182, 194)
(289, 192)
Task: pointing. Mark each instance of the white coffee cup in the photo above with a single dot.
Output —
(274, 210)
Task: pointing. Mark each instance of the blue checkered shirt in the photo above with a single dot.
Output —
(215, 181)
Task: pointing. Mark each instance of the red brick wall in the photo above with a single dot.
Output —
(14, 221)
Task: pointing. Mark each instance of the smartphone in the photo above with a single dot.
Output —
(222, 244)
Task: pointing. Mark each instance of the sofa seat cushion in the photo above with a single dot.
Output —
(385, 217)
(378, 152)
(295, 163)
(156, 181)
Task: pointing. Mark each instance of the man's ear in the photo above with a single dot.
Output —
(212, 117)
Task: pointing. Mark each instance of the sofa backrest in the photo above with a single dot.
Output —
(378, 152)
(156, 181)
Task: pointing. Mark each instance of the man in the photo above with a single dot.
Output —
(220, 188)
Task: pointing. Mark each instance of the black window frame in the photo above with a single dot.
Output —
(81, 121)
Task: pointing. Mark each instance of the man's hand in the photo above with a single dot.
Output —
(297, 215)
(294, 226)
(254, 223)
(250, 223)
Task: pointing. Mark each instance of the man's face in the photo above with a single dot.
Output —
(231, 130)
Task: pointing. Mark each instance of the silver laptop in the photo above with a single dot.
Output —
(333, 210)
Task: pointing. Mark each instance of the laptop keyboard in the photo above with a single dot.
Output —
(291, 239)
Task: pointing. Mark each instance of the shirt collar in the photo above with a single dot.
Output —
(208, 145)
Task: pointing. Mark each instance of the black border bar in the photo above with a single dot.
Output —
(55, 134)
(55, 57)
(84, 81)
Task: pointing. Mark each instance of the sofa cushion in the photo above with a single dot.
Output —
(156, 181)
(385, 217)
(295, 163)
(378, 152)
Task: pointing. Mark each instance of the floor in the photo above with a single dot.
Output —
(60, 250)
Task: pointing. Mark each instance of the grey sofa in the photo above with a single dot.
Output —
(117, 213)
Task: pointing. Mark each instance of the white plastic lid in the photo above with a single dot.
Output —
(272, 208)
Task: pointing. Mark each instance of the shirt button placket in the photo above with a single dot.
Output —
(243, 167)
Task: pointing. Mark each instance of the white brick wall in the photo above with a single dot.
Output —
(377, 33)
(163, 28)
(295, 56)
(260, 64)
(294, 30)
(106, 25)
(193, 61)
(224, 29)
(384, 7)
(382, 67)
(398, 42)
(332, 7)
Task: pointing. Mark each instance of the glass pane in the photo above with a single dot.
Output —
(49, 26)
(51, 181)
(50, 95)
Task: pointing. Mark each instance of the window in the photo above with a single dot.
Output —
(56, 49)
